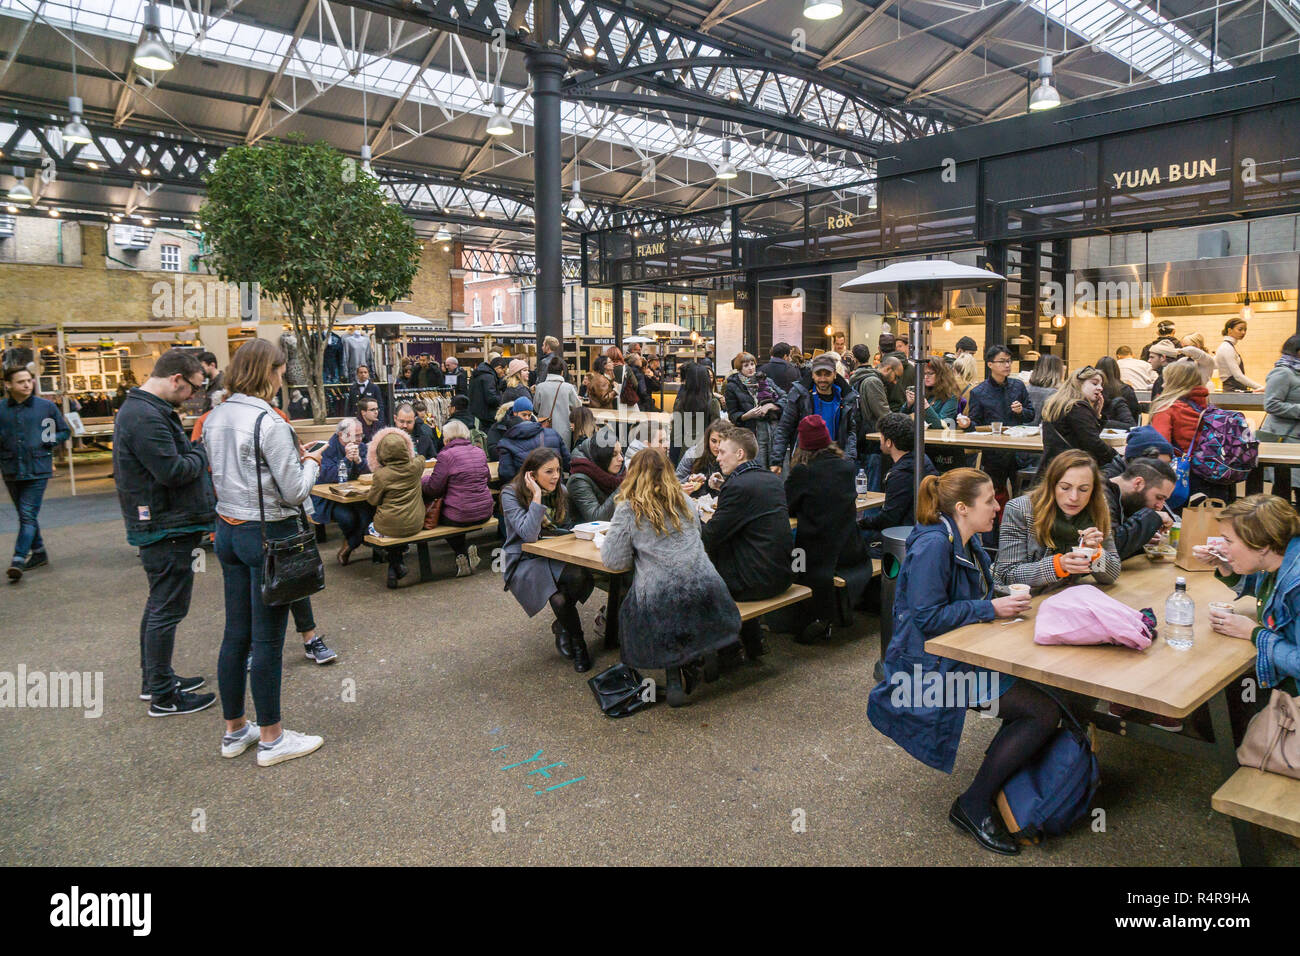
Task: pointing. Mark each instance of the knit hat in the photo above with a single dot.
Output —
(516, 367)
(825, 360)
(813, 435)
(1165, 349)
(966, 344)
(1145, 438)
(522, 404)
(886, 342)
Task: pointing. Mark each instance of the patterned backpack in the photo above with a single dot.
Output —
(1224, 451)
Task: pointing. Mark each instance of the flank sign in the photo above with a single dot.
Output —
(650, 249)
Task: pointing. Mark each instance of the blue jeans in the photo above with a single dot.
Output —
(27, 497)
(250, 623)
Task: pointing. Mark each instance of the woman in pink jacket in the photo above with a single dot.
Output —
(460, 478)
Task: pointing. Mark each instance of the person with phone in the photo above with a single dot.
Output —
(533, 503)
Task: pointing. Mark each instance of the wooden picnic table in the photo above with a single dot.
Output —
(630, 416)
(329, 490)
(571, 549)
(1161, 680)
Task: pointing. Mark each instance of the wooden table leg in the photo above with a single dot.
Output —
(612, 606)
(1249, 851)
(1255, 480)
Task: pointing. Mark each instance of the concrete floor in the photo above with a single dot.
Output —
(448, 672)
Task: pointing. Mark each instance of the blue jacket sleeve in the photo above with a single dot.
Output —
(929, 577)
(1027, 411)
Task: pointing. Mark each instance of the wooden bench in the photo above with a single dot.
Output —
(1264, 799)
(792, 595)
(421, 541)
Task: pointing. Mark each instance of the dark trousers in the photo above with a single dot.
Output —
(27, 496)
(250, 623)
(352, 521)
(459, 542)
(169, 566)
(1001, 466)
(303, 619)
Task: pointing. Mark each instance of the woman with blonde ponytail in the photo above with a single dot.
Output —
(947, 582)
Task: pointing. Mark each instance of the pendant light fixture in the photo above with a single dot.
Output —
(1147, 317)
(75, 132)
(499, 124)
(19, 191)
(443, 235)
(152, 52)
(1045, 96)
(576, 205)
(728, 169)
(1246, 311)
(822, 9)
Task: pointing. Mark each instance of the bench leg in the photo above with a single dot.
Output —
(426, 566)
(1249, 851)
(1255, 480)
(612, 605)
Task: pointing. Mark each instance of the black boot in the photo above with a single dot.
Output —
(37, 559)
(814, 632)
(562, 642)
(581, 659)
(393, 576)
(751, 638)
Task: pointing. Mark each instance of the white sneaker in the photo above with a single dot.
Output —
(473, 557)
(232, 745)
(462, 566)
(291, 744)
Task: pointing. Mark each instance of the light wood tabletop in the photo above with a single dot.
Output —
(1160, 679)
(630, 416)
(328, 490)
(570, 549)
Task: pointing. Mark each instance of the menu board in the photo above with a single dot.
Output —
(729, 332)
(787, 321)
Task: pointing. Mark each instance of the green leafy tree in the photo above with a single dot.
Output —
(313, 230)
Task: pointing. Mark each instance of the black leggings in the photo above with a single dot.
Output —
(1029, 717)
(564, 602)
(458, 542)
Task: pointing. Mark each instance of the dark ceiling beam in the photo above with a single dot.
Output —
(918, 89)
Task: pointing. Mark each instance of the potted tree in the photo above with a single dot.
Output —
(313, 230)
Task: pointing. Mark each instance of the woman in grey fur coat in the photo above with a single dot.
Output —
(678, 608)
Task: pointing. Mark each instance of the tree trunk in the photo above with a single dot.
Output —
(315, 346)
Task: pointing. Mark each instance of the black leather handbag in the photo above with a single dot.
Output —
(619, 692)
(291, 567)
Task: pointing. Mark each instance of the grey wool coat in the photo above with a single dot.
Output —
(678, 608)
(1022, 560)
(529, 577)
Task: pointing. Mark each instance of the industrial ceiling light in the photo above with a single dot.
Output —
(152, 53)
(75, 132)
(54, 213)
(19, 191)
(365, 160)
(1044, 96)
(822, 9)
(443, 235)
(499, 124)
(576, 205)
(589, 51)
(727, 170)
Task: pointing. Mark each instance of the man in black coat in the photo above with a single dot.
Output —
(748, 538)
(898, 442)
(999, 398)
(831, 398)
(779, 368)
(165, 492)
(363, 387)
(1136, 499)
(484, 390)
(550, 346)
(422, 437)
(453, 376)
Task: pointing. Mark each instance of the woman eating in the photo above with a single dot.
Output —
(699, 470)
(946, 582)
(533, 505)
(1072, 418)
(1060, 531)
(678, 608)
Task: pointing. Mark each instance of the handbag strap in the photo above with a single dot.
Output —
(1191, 446)
(258, 459)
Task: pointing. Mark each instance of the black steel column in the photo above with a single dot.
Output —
(546, 67)
(995, 302)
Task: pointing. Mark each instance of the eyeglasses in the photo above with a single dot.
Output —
(193, 388)
(1001, 361)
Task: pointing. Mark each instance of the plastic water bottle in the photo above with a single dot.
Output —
(1180, 616)
(343, 472)
(861, 481)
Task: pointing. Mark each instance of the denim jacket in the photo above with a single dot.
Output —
(29, 433)
(1277, 640)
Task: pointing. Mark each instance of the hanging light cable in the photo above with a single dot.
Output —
(1246, 311)
(152, 52)
(1147, 317)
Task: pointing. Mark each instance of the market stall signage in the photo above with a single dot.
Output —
(1164, 175)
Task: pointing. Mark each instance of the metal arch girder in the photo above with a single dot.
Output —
(591, 79)
(511, 262)
(725, 112)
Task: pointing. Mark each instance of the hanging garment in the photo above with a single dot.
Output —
(357, 350)
(332, 373)
(295, 369)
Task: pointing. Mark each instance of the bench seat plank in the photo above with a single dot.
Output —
(1265, 799)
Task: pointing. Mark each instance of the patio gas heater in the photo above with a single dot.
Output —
(920, 289)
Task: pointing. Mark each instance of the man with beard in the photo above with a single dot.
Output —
(1136, 499)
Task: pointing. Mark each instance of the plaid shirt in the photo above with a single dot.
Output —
(1022, 560)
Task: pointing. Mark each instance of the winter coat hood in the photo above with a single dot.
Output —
(390, 446)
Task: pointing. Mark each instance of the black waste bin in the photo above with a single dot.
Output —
(894, 547)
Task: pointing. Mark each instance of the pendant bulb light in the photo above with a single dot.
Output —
(1045, 96)
(152, 52)
(499, 124)
(75, 132)
(822, 9)
(1147, 316)
(727, 170)
(19, 191)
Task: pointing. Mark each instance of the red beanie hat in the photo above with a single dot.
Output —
(813, 435)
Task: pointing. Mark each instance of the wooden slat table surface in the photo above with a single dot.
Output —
(1160, 679)
(570, 549)
(327, 490)
(630, 416)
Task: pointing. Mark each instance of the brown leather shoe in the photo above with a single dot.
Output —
(345, 554)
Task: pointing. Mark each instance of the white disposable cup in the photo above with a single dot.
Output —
(1223, 607)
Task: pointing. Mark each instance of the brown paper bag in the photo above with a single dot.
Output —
(1198, 524)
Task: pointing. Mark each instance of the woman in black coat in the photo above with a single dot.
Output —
(1072, 418)
(1120, 406)
(821, 495)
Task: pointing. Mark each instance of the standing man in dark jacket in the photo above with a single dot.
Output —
(453, 376)
(31, 428)
(427, 374)
(779, 368)
(216, 378)
(999, 398)
(748, 538)
(831, 398)
(897, 388)
(550, 346)
(165, 491)
(1136, 499)
(872, 385)
(363, 387)
(484, 390)
(898, 441)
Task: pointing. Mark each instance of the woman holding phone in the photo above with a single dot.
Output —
(533, 505)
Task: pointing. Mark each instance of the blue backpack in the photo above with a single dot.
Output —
(1053, 792)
